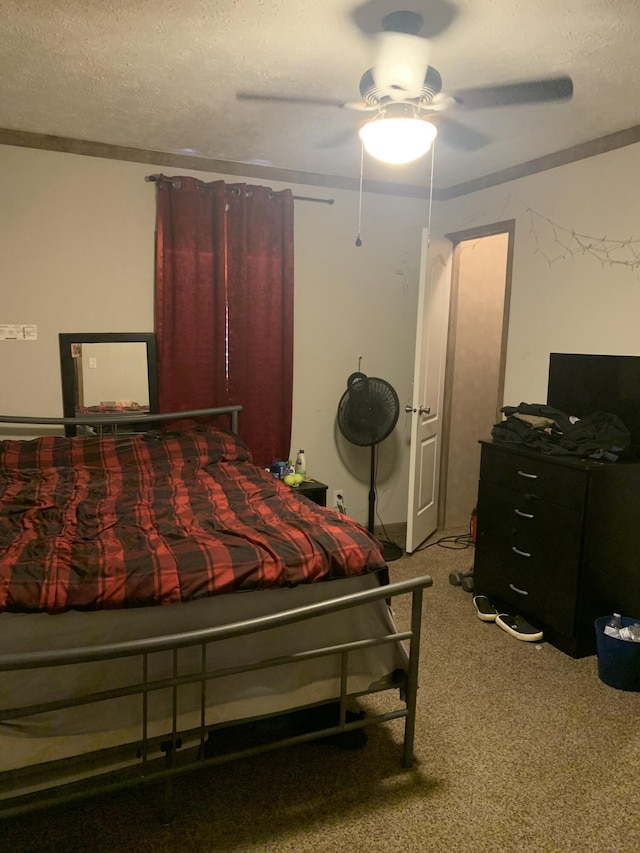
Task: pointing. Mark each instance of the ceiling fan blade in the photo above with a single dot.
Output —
(337, 139)
(289, 99)
(512, 94)
(359, 106)
(457, 135)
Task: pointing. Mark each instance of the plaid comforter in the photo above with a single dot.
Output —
(93, 523)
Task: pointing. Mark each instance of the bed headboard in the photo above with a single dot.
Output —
(125, 418)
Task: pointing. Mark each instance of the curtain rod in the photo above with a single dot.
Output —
(176, 183)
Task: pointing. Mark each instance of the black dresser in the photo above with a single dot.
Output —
(558, 540)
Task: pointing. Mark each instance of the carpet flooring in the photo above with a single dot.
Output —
(518, 748)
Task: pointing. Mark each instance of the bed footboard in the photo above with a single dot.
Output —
(152, 757)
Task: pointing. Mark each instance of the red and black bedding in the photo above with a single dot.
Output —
(109, 522)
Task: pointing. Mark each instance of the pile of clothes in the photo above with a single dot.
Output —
(601, 435)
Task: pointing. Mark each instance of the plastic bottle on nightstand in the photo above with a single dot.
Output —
(301, 465)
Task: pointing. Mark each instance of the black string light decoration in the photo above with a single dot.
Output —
(555, 242)
(570, 243)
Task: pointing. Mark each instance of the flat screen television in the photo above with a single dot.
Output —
(581, 384)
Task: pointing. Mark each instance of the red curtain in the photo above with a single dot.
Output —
(224, 305)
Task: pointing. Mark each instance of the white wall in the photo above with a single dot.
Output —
(576, 304)
(76, 255)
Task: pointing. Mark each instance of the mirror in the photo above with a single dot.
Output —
(107, 373)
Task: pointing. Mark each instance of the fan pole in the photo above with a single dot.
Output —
(372, 490)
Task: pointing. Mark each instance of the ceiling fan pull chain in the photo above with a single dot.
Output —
(358, 238)
(433, 155)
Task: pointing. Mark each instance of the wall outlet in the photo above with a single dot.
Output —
(338, 500)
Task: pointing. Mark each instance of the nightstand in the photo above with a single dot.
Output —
(314, 490)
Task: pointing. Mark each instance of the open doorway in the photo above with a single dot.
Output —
(475, 362)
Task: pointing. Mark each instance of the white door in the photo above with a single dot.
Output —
(428, 389)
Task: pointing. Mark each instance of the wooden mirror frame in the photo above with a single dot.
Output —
(65, 340)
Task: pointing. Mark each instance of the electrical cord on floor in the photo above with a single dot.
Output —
(388, 541)
(454, 543)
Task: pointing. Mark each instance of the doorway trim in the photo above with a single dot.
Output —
(504, 227)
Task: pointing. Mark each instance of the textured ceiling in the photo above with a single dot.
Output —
(163, 75)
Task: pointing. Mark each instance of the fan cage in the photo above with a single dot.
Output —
(368, 411)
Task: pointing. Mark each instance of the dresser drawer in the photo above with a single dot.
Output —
(521, 529)
(538, 477)
(520, 589)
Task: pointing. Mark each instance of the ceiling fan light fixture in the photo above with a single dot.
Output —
(397, 140)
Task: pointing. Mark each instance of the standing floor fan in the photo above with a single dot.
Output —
(367, 414)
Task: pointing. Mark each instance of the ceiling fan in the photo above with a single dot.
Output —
(405, 94)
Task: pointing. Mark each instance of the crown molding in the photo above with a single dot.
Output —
(584, 150)
(202, 164)
(592, 148)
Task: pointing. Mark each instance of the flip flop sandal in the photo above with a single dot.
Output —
(518, 627)
(484, 608)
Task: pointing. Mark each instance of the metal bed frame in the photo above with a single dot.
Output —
(162, 759)
(125, 418)
(151, 765)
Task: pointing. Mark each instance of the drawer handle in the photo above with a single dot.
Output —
(519, 591)
(523, 514)
(528, 476)
(518, 551)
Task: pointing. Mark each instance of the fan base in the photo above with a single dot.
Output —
(391, 551)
